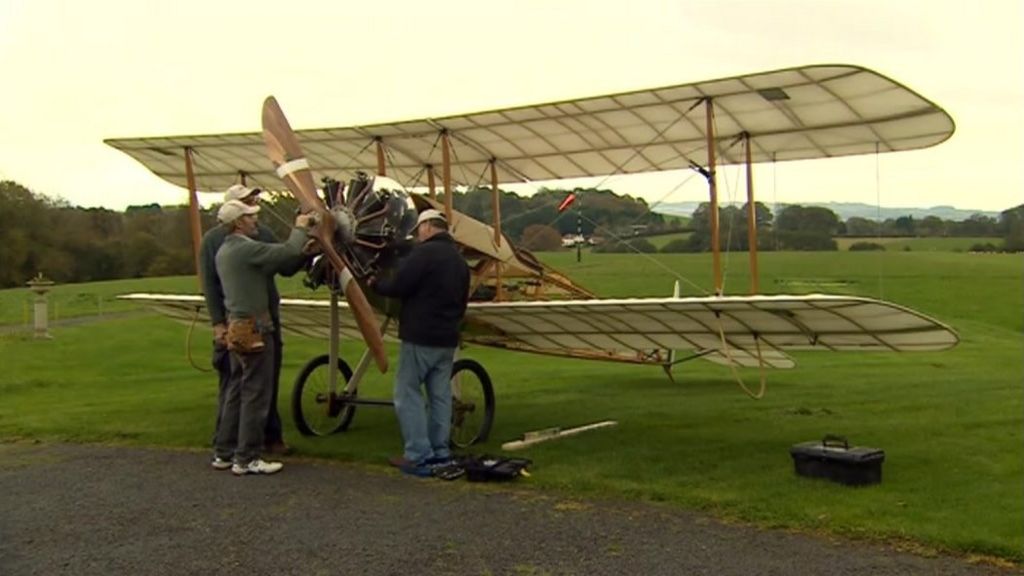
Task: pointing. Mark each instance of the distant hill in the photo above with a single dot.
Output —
(846, 210)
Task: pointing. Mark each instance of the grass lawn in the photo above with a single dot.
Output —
(950, 422)
(660, 240)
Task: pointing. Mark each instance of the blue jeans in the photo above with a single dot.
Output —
(425, 427)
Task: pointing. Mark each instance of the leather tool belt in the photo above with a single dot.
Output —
(244, 336)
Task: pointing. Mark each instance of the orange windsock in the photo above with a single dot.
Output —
(568, 200)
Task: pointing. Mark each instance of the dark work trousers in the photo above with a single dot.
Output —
(273, 433)
(243, 416)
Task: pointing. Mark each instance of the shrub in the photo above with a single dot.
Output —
(540, 238)
(808, 241)
(865, 246)
(986, 247)
(625, 246)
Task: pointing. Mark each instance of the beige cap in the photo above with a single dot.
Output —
(232, 209)
(431, 214)
(239, 192)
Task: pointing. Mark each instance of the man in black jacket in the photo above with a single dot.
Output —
(433, 285)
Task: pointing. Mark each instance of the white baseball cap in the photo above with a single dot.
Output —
(232, 209)
(239, 192)
(430, 214)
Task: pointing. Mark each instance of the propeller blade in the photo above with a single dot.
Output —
(292, 167)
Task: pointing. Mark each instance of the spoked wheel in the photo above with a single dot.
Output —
(472, 403)
(316, 410)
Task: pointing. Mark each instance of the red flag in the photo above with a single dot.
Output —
(568, 200)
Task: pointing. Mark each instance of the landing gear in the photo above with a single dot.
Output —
(472, 403)
(317, 411)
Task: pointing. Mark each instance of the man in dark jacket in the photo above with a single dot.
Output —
(433, 285)
(214, 294)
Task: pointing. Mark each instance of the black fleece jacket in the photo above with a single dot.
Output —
(433, 285)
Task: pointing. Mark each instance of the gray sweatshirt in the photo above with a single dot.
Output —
(244, 265)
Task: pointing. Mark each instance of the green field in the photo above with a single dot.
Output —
(660, 240)
(950, 422)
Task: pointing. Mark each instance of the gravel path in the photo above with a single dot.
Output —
(89, 509)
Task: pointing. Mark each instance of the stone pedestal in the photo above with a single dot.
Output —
(40, 286)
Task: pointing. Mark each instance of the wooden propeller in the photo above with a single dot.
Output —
(286, 154)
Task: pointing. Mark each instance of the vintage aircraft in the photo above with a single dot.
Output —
(518, 302)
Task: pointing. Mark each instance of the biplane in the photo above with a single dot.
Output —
(518, 303)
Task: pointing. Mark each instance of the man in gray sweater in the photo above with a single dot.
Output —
(273, 435)
(244, 266)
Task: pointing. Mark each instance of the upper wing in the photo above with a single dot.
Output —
(790, 114)
(745, 330)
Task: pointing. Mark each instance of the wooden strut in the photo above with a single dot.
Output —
(193, 214)
(381, 168)
(716, 257)
(446, 175)
(751, 218)
(496, 213)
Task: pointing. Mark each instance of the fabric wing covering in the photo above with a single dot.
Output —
(792, 114)
(756, 329)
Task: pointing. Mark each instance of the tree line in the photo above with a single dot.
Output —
(799, 227)
(815, 228)
(69, 243)
(74, 244)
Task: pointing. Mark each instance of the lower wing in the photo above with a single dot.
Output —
(740, 330)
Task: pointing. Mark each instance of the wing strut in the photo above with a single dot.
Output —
(751, 218)
(193, 214)
(716, 257)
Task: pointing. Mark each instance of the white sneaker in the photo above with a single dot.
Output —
(220, 463)
(256, 466)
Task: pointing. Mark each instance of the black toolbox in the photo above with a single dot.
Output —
(832, 458)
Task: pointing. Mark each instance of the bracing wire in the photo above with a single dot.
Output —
(878, 217)
(657, 262)
(655, 138)
(462, 167)
(352, 160)
(415, 179)
(775, 200)
(730, 186)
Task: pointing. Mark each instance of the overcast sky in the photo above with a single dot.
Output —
(75, 72)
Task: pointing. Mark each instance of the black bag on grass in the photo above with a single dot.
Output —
(493, 468)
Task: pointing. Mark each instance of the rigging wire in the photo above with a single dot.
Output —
(775, 201)
(730, 186)
(656, 137)
(878, 216)
(427, 164)
(657, 262)
(352, 159)
(462, 167)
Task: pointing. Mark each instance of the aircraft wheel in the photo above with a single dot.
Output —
(472, 403)
(316, 411)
